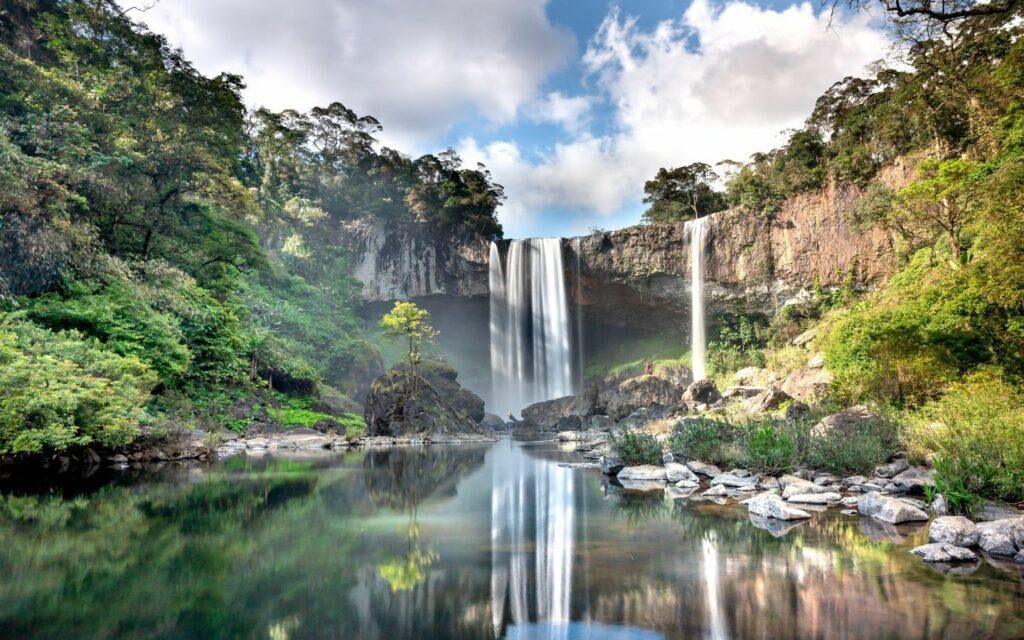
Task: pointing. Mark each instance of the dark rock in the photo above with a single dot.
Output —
(569, 423)
(545, 415)
(444, 379)
(394, 408)
(702, 392)
(492, 421)
(797, 410)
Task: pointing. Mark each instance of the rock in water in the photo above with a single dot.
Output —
(611, 465)
(676, 472)
(703, 468)
(886, 509)
(943, 552)
(815, 498)
(954, 530)
(547, 414)
(736, 482)
(643, 473)
(1002, 537)
(393, 409)
(770, 505)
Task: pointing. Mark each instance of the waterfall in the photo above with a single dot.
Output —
(697, 229)
(530, 328)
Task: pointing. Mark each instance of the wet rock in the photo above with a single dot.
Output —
(943, 552)
(890, 469)
(734, 481)
(702, 392)
(850, 512)
(777, 528)
(850, 501)
(888, 509)
(704, 469)
(770, 505)
(815, 498)
(1001, 537)
(687, 484)
(675, 472)
(955, 530)
(611, 465)
(644, 473)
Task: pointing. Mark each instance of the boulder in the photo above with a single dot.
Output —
(643, 473)
(768, 400)
(492, 421)
(944, 552)
(750, 376)
(545, 415)
(742, 392)
(913, 480)
(939, 505)
(995, 511)
(718, 491)
(805, 338)
(688, 484)
(734, 481)
(886, 509)
(703, 468)
(844, 421)
(444, 379)
(797, 410)
(640, 393)
(601, 423)
(675, 472)
(611, 465)
(397, 406)
(702, 392)
(807, 384)
(770, 484)
(955, 530)
(1001, 537)
(815, 498)
(770, 505)
(804, 487)
(569, 423)
(890, 469)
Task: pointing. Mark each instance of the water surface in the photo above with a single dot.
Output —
(458, 542)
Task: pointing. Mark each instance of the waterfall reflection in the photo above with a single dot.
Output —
(532, 510)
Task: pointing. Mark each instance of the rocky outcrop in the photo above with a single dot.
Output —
(395, 409)
(638, 393)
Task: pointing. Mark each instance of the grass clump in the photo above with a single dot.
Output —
(703, 439)
(637, 447)
(859, 450)
(770, 447)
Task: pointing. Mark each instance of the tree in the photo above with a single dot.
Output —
(682, 193)
(408, 321)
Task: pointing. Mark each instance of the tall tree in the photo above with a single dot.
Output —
(682, 193)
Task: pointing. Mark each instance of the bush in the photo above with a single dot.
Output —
(637, 447)
(702, 439)
(955, 480)
(975, 431)
(859, 450)
(769, 447)
(61, 389)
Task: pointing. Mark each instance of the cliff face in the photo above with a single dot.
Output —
(753, 263)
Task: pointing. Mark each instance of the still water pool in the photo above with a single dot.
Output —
(457, 542)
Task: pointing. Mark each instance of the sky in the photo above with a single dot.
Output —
(572, 104)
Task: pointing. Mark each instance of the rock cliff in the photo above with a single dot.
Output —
(752, 262)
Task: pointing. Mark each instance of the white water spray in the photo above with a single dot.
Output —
(530, 328)
(697, 230)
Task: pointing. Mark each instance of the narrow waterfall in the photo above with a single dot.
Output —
(697, 229)
(531, 337)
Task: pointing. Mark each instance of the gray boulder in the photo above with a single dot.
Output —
(734, 481)
(890, 469)
(768, 400)
(844, 421)
(640, 392)
(643, 473)
(913, 480)
(955, 530)
(943, 552)
(886, 509)
(704, 469)
(807, 384)
(611, 465)
(815, 498)
(770, 505)
(803, 488)
(676, 472)
(1001, 537)
(545, 415)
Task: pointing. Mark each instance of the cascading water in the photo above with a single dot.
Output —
(697, 230)
(531, 335)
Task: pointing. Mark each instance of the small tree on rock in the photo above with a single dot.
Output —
(408, 321)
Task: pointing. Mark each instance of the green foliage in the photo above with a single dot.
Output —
(296, 412)
(739, 344)
(60, 389)
(408, 322)
(769, 447)
(682, 193)
(637, 447)
(958, 481)
(859, 450)
(975, 432)
(703, 439)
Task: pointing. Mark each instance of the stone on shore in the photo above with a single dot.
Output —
(886, 509)
(890, 469)
(643, 473)
(912, 480)
(610, 465)
(1002, 537)
(676, 472)
(734, 481)
(954, 530)
(703, 468)
(815, 498)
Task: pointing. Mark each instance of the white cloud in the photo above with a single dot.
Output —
(572, 113)
(417, 66)
(720, 82)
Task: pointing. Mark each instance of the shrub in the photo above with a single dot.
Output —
(637, 447)
(61, 389)
(296, 412)
(768, 447)
(955, 480)
(702, 439)
(856, 450)
(975, 431)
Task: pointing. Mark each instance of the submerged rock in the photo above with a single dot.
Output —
(943, 552)
(770, 505)
(886, 509)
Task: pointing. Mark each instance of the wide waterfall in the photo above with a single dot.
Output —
(531, 333)
(697, 229)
